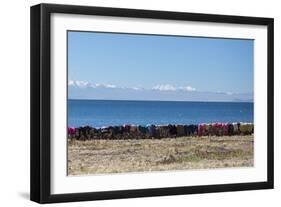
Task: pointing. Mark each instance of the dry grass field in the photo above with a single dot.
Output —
(119, 156)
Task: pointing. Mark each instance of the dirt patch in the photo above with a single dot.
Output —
(135, 155)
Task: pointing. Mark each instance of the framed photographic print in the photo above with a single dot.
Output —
(133, 103)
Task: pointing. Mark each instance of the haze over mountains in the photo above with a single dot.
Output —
(161, 92)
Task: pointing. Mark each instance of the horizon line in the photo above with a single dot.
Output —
(87, 99)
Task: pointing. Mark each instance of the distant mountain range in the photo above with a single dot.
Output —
(165, 92)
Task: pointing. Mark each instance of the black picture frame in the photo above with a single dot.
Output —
(41, 95)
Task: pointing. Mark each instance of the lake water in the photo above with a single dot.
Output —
(99, 113)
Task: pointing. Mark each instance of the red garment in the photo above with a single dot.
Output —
(71, 130)
(201, 129)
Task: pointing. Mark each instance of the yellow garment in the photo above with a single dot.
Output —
(246, 128)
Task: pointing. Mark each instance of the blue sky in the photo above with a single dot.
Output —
(161, 62)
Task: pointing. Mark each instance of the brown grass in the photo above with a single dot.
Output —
(116, 156)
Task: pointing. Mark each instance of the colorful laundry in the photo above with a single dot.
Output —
(160, 131)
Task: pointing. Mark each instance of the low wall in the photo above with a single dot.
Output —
(160, 131)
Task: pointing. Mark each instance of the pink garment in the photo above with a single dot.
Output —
(225, 129)
(201, 129)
